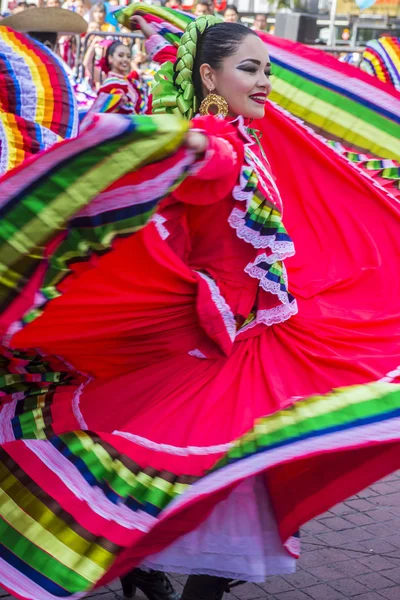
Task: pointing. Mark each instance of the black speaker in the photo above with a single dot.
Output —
(298, 27)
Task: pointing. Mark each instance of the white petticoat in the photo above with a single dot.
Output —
(239, 540)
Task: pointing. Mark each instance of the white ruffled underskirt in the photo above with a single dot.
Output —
(239, 540)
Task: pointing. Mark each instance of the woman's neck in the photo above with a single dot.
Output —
(122, 75)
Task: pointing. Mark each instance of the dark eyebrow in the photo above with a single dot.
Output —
(254, 61)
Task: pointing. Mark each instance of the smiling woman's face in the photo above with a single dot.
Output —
(242, 79)
(231, 16)
(120, 60)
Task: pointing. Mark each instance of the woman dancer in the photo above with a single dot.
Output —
(192, 450)
(121, 81)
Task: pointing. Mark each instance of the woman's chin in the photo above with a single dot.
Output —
(255, 112)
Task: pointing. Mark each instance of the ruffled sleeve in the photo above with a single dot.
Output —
(112, 85)
(215, 176)
(133, 93)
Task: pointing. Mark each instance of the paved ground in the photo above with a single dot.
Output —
(353, 551)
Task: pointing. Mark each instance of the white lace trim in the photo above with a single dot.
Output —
(197, 353)
(222, 305)
(176, 450)
(239, 192)
(76, 405)
(281, 250)
(254, 159)
(269, 286)
(243, 130)
(272, 316)
(159, 221)
(236, 221)
(236, 218)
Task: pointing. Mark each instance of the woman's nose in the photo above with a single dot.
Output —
(264, 81)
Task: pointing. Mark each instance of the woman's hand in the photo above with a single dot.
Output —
(95, 41)
(197, 142)
(145, 28)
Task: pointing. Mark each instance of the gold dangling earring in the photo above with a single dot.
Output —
(215, 101)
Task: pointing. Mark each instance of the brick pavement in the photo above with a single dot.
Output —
(353, 551)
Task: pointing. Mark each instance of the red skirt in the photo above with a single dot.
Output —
(185, 431)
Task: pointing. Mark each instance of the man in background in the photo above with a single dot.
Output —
(203, 7)
(260, 22)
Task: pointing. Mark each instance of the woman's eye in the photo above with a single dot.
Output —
(249, 69)
(268, 73)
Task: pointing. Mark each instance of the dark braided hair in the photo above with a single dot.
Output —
(217, 43)
(110, 51)
(205, 41)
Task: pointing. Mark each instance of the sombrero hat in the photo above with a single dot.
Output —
(54, 20)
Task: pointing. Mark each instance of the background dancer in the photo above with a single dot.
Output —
(123, 82)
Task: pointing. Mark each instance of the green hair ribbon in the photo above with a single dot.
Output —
(174, 90)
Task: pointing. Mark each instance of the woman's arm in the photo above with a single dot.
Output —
(218, 168)
(157, 48)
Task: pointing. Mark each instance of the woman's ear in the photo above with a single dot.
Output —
(207, 75)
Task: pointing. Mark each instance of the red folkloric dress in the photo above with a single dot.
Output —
(192, 448)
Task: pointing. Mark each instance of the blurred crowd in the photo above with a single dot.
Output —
(85, 54)
(101, 13)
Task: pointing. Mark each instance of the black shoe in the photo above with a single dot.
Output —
(234, 583)
(205, 587)
(154, 584)
(128, 587)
